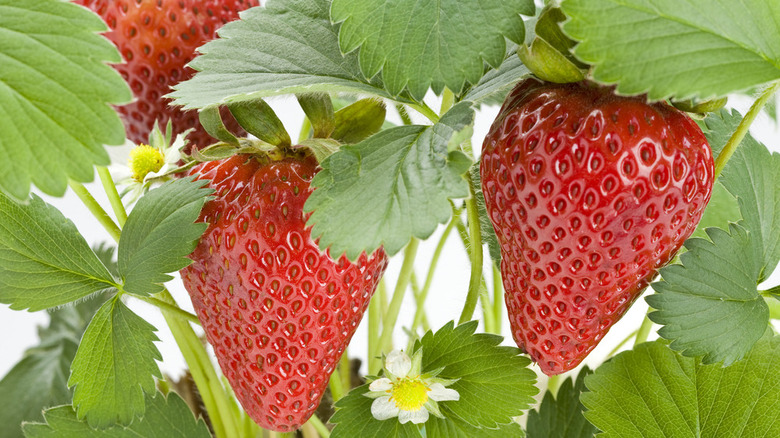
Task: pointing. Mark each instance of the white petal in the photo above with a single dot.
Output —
(416, 417)
(398, 363)
(382, 384)
(382, 408)
(439, 393)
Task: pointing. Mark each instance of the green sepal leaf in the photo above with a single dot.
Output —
(389, 187)
(418, 45)
(114, 366)
(560, 415)
(319, 110)
(485, 225)
(40, 379)
(353, 418)
(44, 261)
(494, 382)
(654, 46)
(287, 46)
(359, 120)
(55, 96)
(260, 120)
(165, 417)
(160, 233)
(322, 148)
(548, 64)
(211, 120)
(709, 305)
(496, 83)
(652, 391)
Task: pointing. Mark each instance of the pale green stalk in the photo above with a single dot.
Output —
(345, 369)
(113, 195)
(475, 242)
(498, 299)
(644, 331)
(487, 309)
(170, 308)
(320, 426)
(94, 207)
(419, 314)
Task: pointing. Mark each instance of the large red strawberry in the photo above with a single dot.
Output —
(157, 38)
(589, 193)
(278, 311)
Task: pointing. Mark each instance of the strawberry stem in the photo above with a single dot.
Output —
(94, 207)
(391, 316)
(622, 343)
(487, 308)
(417, 291)
(644, 331)
(498, 298)
(375, 323)
(425, 110)
(475, 242)
(345, 369)
(113, 195)
(319, 426)
(553, 383)
(335, 386)
(167, 307)
(742, 129)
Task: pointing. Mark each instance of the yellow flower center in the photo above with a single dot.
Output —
(409, 394)
(143, 160)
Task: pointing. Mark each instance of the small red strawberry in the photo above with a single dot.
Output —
(157, 38)
(278, 311)
(589, 193)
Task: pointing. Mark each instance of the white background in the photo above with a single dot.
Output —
(18, 329)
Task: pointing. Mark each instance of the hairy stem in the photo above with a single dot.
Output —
(498, 298)
(390, 318)
(425, 110)
(487, 309)
(742, 129)
(345, 369)
(319, 426)
(403, 113)
(644, 331)
(475, 241)
(113, 195)
(94, 207)
(375, 323)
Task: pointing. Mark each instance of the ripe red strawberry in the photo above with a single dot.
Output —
(278, 311)
(589, 193)
(157, 38)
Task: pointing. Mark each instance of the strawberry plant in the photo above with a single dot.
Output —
(615, 173)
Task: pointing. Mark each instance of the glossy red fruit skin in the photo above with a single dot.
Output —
(589, 193)
(278, 311)
(157, 38)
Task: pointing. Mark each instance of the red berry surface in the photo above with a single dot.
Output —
(278, 311)
(157, 38)
(589, 193)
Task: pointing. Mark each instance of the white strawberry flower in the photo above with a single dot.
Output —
(406, 393)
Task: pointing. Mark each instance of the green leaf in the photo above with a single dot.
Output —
(653, 392)
(496, 83)
(44, 261)
(289, 46)
(55, 91)
(485, 226)
(561, 416)
(710, 306)
(438, 428)
(494, 381)
(353, 418)
(390, 187)
(260, 120)
(114, 366)
(160, 233)
(422, 44)
(721, 210)
(164, 418)
(40, 379)
(359, 120)
(692, 49)
(319, 110)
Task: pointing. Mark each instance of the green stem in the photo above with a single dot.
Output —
(403, 113)
(476, 257)
(774, 307)
(375, 323)
(447, 100)
(419, 313)
(553, 383)
(215, 399)
(336, 387)
(320, 426)
(113, 195)
(308, 431)
(417, 291)
(487, 309)
(390, 318)
(305, 130)
(742, 129)
(425, 110)
(167, 307)
(498, 298)
(644, 331)
(622, 343)
(345, 369)
(96, 210)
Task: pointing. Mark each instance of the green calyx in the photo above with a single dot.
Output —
(548, 54)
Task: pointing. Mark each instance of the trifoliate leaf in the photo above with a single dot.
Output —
(165, 417)
(55, 91)
(561, 416)
(494, 382)
(44, 261)
(418, 45)
(389, 187)
(709, 305)
(40, 379)
(160, 233)
(353, 418)
(285, 47)
(114, 366)
(496, 83)
(652, 391)
(691, 49)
